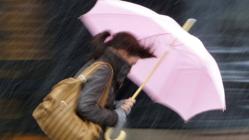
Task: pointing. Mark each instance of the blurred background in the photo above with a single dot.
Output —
(43, 42)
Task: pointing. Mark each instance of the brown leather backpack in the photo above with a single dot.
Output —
(56, 115)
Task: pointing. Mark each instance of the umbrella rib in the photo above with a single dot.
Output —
(154, 36)
(94, 14)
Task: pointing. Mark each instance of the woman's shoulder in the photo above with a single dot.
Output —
(83, 68)
(102, 67)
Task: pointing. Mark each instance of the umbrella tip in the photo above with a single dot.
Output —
(189, 24)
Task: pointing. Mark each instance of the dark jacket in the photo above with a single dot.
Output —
(92, 91)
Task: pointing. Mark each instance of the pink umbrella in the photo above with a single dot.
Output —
(187, 80)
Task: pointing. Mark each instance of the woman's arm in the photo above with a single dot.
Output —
(93, 89)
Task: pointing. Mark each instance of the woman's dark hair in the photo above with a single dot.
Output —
(121, 40)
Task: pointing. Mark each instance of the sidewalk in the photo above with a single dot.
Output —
(163, 134)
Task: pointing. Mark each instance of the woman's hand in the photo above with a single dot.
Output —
(127, 105)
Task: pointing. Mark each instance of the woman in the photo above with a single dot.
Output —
(121, 52)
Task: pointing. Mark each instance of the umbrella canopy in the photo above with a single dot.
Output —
(188, 79)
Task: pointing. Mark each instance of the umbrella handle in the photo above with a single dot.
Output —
(187, 26)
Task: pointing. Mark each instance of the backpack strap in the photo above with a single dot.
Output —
(89, 71)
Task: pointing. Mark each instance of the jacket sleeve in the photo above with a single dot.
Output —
(89, 95)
